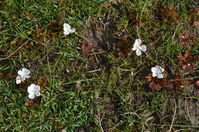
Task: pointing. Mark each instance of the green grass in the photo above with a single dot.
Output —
(105, 92)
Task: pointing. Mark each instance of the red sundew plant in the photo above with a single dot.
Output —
(186, 61)
(186, 39)
(155, 83)
(178, 82)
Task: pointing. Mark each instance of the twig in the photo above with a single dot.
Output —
(95, 70)
(174, 115)
(99, 121)
(1, 59)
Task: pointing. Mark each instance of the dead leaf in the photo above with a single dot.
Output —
(133, 20)
(155, 86)
(13, 42)
(31, 103)
(28, 103)
(123, 48)
(149, 77)
(42, 82)
(168, 14)
(56, 24)
(37, 100)
(86, 47)
(23, 85)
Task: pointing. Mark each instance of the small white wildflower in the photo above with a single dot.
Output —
(23, 74)
(33, 90)
(67, 29)
(138, 47)
(157, 71)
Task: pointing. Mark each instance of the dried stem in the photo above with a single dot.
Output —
(174, 115)
(1, 59)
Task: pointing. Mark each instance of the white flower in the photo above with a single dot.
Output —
(33, 90)
(23, 74)
(138, 47)
(157, 71)
(68, 29)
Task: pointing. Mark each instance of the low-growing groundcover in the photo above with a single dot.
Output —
(116, 65)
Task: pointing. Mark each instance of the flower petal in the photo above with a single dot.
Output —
(31, 96)
(66, 33)
(25, 71)
(37, 94)
(153, 69)
(138, 52)
(162, 69)
(31, 88)
(72, 30)
(154, 74)
(27, 76)
(160, 76)
(20, 72)
(159, 69)
(66, 26)
(37, 87)
(18, 80)
(23, 78)
(133, 48)
(143, 47)
(138, 42)
(136, 45)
